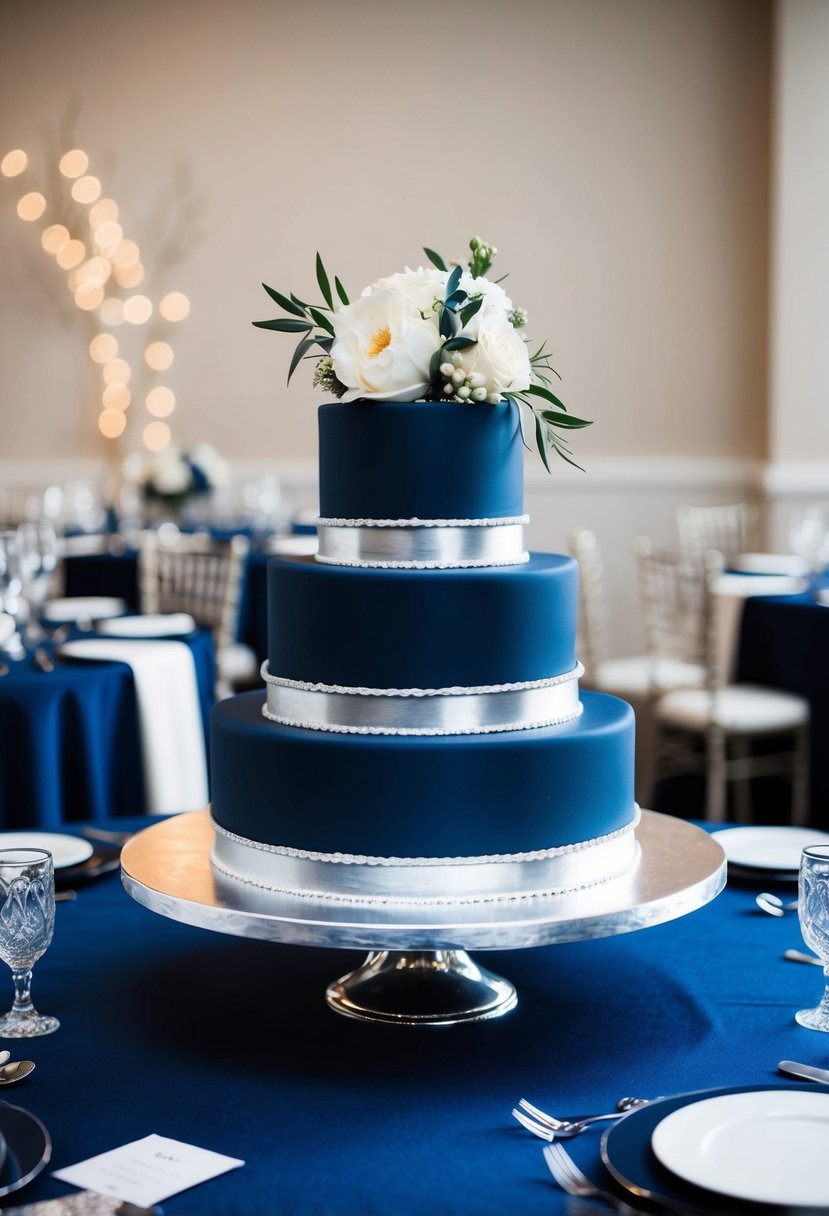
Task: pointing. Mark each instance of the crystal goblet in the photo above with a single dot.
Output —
(813, 912)
(27, 921)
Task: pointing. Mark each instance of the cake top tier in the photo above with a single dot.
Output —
(382, 460)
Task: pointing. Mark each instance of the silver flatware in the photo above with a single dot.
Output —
(4, 670)
(105, 836)
(42, 660)
(64, 897)
(11, 1073)
(4, 1056)
(803, 1072)
(800, 956)
(547, 1126)
(571, 1179)
(774, 905)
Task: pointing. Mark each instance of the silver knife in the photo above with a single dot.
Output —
(800, 956)
(804, 1072)
(42, 660)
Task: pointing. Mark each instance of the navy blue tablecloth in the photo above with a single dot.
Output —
(784, 643)
(227, 1043)
(71, 747)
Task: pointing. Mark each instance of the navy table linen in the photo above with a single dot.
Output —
(71, 747)
(227, 1043)
(784, 643)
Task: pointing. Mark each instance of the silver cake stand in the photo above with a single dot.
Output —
(418, 971)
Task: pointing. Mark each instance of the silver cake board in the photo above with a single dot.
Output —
(418, 971)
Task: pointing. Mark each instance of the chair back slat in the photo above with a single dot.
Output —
(728, 530)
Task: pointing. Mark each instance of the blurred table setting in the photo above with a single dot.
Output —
(337, 1116)
(102, 713)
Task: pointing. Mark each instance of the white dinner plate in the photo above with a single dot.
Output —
(83, 607)
(151, 625)
(770, 563)
(744, 585)
(293, 546)
(65, 850)
(768, 848)
(768, 1146)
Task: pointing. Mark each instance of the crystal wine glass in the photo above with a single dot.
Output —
(813, 912)
(27, 921)
(808, 539)
(11, 579)
(38, 546)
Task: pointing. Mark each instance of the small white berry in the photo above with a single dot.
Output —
(479, 394)
(464, 392)
(446, 370)
(448, 390)
(458, 376)
(476, 380)
(457, 358)
(494, 398)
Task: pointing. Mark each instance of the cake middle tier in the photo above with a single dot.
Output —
(451, 796)
(422, 629)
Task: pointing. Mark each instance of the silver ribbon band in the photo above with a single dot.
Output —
(423, 711)
(426, 880)
(422, 544)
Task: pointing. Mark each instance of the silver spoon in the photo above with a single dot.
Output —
(774, 905)
(10, 1074)
(800, 956)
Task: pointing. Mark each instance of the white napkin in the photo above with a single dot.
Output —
(6, 627)
(150, 625)
(172, 735)
(732, 590)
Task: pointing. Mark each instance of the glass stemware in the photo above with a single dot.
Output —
(38, 556)
(813, 912)
(11, 578)
(27, 921)
(808, 539)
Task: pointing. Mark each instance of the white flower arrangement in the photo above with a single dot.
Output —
(175, 474)
(431, 334)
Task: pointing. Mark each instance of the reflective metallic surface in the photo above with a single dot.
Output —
(167, 869)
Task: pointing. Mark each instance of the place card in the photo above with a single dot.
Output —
(146, 1171)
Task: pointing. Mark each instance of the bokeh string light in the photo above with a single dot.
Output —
(85, 236)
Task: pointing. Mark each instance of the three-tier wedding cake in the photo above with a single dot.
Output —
(422, 737)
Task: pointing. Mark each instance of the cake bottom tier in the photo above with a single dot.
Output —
(423, 818)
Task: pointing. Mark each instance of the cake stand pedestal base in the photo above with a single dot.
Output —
(418, 971)
(410, 988)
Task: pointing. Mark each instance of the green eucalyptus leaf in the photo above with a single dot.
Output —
(325, 343)
(322, 320)
(300, 303)
(453, 280)
(536, 390)
(340, 290)
(460, 342)
(541, 441)
(435, 259)
(457, 297)
(324, 285)
(565, 420)
(434, 365)
(286, 325)
(471, 309)
(284, 302)
(303, 347)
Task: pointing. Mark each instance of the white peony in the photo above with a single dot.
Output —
(500, 355)
(211, 464)
(423, 287)
(383, 346)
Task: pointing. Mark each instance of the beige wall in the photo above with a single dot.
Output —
(615, 150)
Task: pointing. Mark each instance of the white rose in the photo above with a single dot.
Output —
(422, 287)
(383, 347)
(211, 464)
(499, 355)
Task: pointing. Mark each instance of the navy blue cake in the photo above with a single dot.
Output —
(422, 737)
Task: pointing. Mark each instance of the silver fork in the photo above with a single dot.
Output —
(547, 1126)
(570, 1178)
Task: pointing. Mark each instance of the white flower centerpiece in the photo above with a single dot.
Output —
(172, 477)
(444, 332)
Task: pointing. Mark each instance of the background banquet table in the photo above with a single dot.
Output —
(784, 643)
(71, 742)
(227, 1043)
(117, 574)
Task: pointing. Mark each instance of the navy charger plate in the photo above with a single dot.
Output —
(638, 1175)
